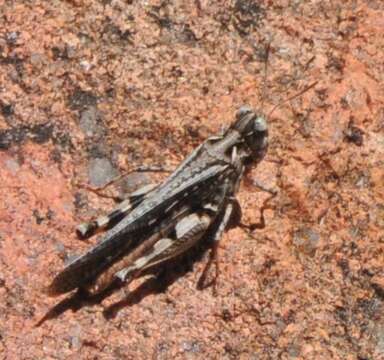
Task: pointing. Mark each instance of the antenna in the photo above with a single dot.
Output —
(292, 97)
(265, 78)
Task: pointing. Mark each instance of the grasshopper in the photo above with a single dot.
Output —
(160, 222)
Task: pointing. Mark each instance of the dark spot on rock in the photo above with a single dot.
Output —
(12, 136)
(80, 99)
(344, 103)
(91, 343)
(176, 71)
(10, 60)
(344, 265)
(50, 214)
(114, 34)
(186, 35)
(29, 311)
(341, 313)
(268, 264)
(369, 307)
(205, 90)
(246, 16)
(226, 315)
(162, 347)
(60, 53)
(55, 155)
(336, 63)
(39, 219)
(353, 134)
(162, 21)
(232, 351)
(39, 133)
(6, 109)
(18, 64)
(111, 93)
(379, 291)
(79, 201)
(63, 139)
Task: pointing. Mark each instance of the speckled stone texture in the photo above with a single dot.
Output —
(91, 89)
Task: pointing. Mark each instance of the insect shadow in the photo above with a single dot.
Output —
(162, 276)
(165, 276)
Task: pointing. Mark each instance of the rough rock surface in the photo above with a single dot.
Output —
(144, 82)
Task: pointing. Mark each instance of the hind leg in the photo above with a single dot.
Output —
(163, 245)
(87, 229)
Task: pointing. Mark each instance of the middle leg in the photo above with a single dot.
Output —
(225, 222)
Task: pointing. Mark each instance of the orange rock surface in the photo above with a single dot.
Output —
(144, 82)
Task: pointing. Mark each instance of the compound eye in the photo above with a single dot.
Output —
(260, 124)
